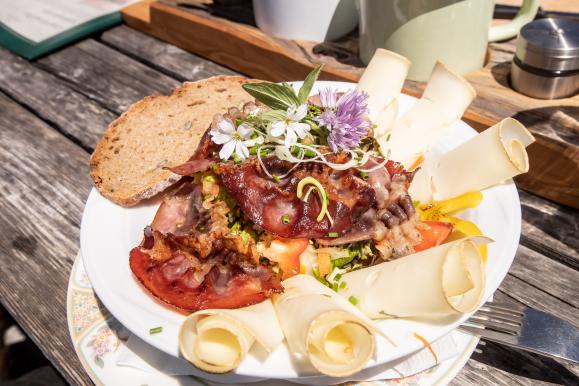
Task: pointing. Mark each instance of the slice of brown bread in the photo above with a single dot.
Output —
(127, 163)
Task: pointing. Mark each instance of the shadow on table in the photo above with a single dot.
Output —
(240, 11)
(525, 364)
(500, 72)
(560, 121)
(21, 362)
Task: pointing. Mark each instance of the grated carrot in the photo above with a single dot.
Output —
(324, 264)
(416, 163)
(427, 345)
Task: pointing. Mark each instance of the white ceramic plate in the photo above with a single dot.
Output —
(109, 232)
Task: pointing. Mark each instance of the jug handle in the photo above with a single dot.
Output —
(511, 29)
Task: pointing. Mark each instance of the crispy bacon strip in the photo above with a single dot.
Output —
(275, 207)
(181, 211)
(393, 204)
(201, 160)
(189, 258)
(173, 274)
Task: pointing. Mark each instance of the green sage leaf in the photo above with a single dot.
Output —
(275, 96)
(306, 88)
(273, 115)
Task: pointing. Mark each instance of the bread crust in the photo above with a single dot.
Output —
(159, 131)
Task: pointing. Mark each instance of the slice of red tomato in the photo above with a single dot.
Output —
(286, 252)
(433, 233)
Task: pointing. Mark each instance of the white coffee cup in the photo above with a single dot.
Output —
(314, 20)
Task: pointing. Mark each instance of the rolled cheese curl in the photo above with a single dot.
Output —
(495, 155)
(446, 97)
(383, 80)
(217, 340)
(446, 279)
(323, 328)
(386, 120)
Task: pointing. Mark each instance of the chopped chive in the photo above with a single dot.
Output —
(335, 287)
(236, 159)
(275, 178)
(209, 178)
(207, 197)
(296, 150)
(415, 203)
(353, 300)
(253, 150)
(338, 277)
(333, 234)
(343, 285)
(364, 175)
(155, 330)
(285, 219)
(214, 166)
(309, 153)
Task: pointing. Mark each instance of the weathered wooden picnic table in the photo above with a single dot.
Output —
(54, 110)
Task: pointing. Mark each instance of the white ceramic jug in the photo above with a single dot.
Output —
(455, 32)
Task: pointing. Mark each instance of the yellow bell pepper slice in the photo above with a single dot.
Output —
(444, 211)
(453, 205)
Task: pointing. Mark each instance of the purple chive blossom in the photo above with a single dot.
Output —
(345, 118)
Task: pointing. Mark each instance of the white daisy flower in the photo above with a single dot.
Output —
(233, 139)
(291, 126)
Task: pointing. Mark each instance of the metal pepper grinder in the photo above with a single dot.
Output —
(546, 62)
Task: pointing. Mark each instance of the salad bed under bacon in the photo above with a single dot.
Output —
(282, 186)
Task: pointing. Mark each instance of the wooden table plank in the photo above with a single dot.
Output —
(550, 276)
(106, 76)
(550, 229)
(495, 364)
(164, 57)
(52, 99)
(43, 185)
(531, 296)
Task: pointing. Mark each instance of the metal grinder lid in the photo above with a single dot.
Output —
(550, 44)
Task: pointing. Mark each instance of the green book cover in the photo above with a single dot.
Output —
(32, 50)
